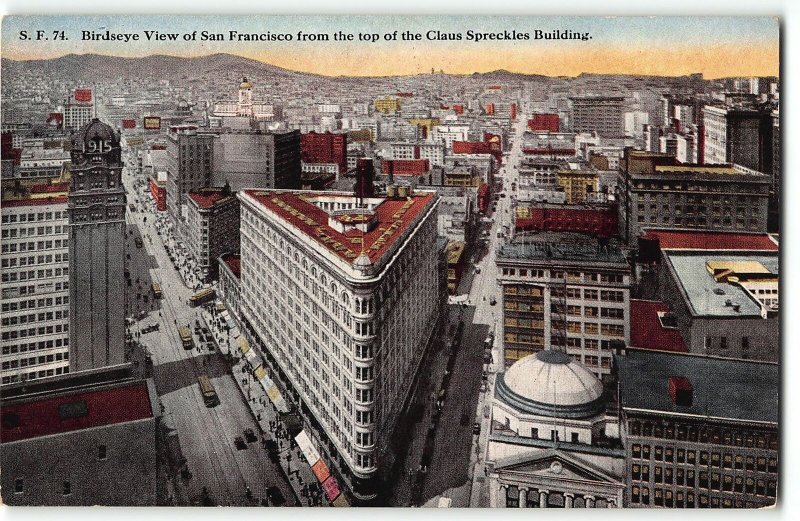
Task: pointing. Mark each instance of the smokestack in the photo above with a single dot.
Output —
(365, 175)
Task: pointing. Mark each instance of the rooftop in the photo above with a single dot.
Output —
(38, 201)
(207, 199)
(233, 261)
(555, 248)
(68, 412)
(723, 387)
(691, 240)
(393, 216)
(706, 296)
(649, 332)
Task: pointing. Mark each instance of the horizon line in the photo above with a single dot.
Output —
(506, 70)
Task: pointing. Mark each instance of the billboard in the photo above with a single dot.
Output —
(82, 95)
(128, 123)
(152, 123)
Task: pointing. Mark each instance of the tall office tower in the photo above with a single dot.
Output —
(601, 114)
(80, 109)
(190, 160)
(342, 294)
(35, 284)
(96, 209)
(738, 135)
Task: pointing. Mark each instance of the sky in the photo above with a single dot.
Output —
(714, 46)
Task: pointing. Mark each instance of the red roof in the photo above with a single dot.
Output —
(393, 216)
(40, 201)
(647, 331)
(689, 240)
(49, 188)
(206, 199)
(233, 262)
(46, 416)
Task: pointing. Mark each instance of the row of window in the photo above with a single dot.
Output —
(22, 276)
(714, 459)
(32, 231)
(13, 247)
(32, 260)
(33, 375)
(35, 360)
(34, 317)
(34, 331)
(739, 438)
(34, 303)
(34, 217)
(570, 277)
(10, 349)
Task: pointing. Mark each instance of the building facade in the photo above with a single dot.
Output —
(738, 135)
(346, 279)
(97, 233)
(190, 163)
(81, 440)
(574, 296)
(212, 220)
(699, 432)
(553, 444)
(35, 288)
(601, 114)
(656, 192)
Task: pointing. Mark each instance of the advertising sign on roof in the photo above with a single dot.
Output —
(83, 95)
(331, 488)
(152, 123)
(320, 470)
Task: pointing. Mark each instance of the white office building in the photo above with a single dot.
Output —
(342, 296)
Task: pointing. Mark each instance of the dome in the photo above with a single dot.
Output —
(93, 131)
(550, 383)
(245, 84)
(183, 104)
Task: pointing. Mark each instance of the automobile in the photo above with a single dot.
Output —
(483, 387)
(239, 442)
(276, 496)
(503, 195)
(250, 436)
(492, 301)
(476, 428)
(477, 269)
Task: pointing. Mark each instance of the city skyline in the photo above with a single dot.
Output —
(717, 47)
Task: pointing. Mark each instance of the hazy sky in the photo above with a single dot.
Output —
(715, 46)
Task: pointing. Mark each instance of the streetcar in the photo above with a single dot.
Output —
(156, 290)
(186, 337)
(207, 390)
(202, 296)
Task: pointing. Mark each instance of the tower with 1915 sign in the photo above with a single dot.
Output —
(96, 210)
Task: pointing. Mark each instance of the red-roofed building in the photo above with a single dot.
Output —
(405, 167)
(653, 327)
(87, 438)
(602, 223)
(346, 260)
(325, 147)
(653, 241)
(212, 219)
(548, 122)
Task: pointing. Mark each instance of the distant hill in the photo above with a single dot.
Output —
(85, 67)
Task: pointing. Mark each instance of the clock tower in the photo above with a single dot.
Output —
(96, 209)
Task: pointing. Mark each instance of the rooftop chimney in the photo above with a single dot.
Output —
(681, 391)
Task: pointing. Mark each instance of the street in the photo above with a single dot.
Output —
(214, 468)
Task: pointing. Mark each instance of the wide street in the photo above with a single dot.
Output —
(205, 435)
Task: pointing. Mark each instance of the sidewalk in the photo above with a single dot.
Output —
(291, 459)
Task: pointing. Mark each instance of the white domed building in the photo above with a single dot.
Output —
(552, 442)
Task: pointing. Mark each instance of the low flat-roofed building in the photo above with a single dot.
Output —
(725, 304)
(87, 438)
(698, 431)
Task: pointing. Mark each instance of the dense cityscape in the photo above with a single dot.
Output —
(227, 283)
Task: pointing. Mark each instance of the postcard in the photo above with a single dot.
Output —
(407, 261)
